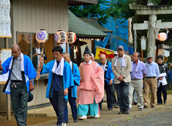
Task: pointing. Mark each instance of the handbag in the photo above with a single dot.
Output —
(30, 98)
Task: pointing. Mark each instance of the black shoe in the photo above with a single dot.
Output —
(145, 106)
(165, 101)
(152, 106)
(109, 108)
(121, 112)
(127, 112)
(66, 121)
(159, 103)
(76, 119)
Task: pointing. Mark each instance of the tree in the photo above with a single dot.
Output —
(98, 11)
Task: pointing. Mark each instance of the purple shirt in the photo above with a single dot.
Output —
(140, 70)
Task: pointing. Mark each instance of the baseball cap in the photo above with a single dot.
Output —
(120, 47)
(149, 55)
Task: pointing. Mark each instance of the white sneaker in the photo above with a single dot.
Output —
(97, 116)
(83, 117)
(63, 124)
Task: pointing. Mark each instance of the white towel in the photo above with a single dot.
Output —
(163, 81)
(123, 61)
(136, 67)
(58, 70)
(22, 62)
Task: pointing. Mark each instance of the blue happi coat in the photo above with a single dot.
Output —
(109, 72)
(29, 72)
(76, 79)
(67, 77)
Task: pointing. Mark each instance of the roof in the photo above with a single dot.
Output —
(93, 22)
(82, 2)
(82, 29)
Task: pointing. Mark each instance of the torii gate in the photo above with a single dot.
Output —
(152, 24)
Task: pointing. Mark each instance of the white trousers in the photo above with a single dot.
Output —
(137, 85)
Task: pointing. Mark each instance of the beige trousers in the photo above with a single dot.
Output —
(150, 83)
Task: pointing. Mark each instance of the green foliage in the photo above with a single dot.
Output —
(92, 11)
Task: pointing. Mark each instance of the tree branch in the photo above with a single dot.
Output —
(163, 2)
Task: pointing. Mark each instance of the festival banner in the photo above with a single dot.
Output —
(109, 53)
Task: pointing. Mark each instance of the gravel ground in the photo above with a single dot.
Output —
(157, 118)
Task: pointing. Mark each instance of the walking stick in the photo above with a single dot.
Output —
(40, 65)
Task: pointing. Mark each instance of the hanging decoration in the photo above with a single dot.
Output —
(60, 36)
(41, 36)
(162, 36)
(5, 19)
(71, 37)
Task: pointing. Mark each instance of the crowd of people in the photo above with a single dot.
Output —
(85, 85)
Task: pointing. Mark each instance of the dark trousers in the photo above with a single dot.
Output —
(114, 97)
(58, 104)
(162, 89)
(19, 99)
(109, 96)
(72, 102)
(122, 90)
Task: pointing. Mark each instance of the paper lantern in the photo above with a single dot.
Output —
(42, 36)
(162, 36)
(143, 43)
(71, 37)
(60, 36)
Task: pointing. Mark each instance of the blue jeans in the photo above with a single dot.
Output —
(122, 90)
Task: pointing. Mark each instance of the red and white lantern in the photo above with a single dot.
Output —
(60, 36)
(71, 37)
(162, 36)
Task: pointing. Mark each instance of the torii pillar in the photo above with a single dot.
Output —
(152, 11)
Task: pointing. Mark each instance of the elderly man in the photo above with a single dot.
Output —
(92, 57)
(59, 81)
(121, 66)
(19, 83)
(72, 91)
(138, 72)
(36, 51)
(108, 75)
(150, 81)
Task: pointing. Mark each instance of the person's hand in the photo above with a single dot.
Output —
(35, 54)
(121, 78)
(1, 65)
(82, 79)
(171, 64)
(41, 59)
(160, 78)
(110, 82)
(31, 86)
(66, 91)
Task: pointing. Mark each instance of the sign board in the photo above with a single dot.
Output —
(5, 53)
(5, 20)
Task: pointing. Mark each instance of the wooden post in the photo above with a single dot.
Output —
(93, 46)
(72, 53)
(78, 54)
(8, 99)
(142, 54)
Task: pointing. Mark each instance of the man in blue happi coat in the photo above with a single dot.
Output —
(19, 83)
(72, 91)
(109, 76)
(59, 81)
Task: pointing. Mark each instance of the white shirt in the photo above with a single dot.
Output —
(103, 66)
(38, 50)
